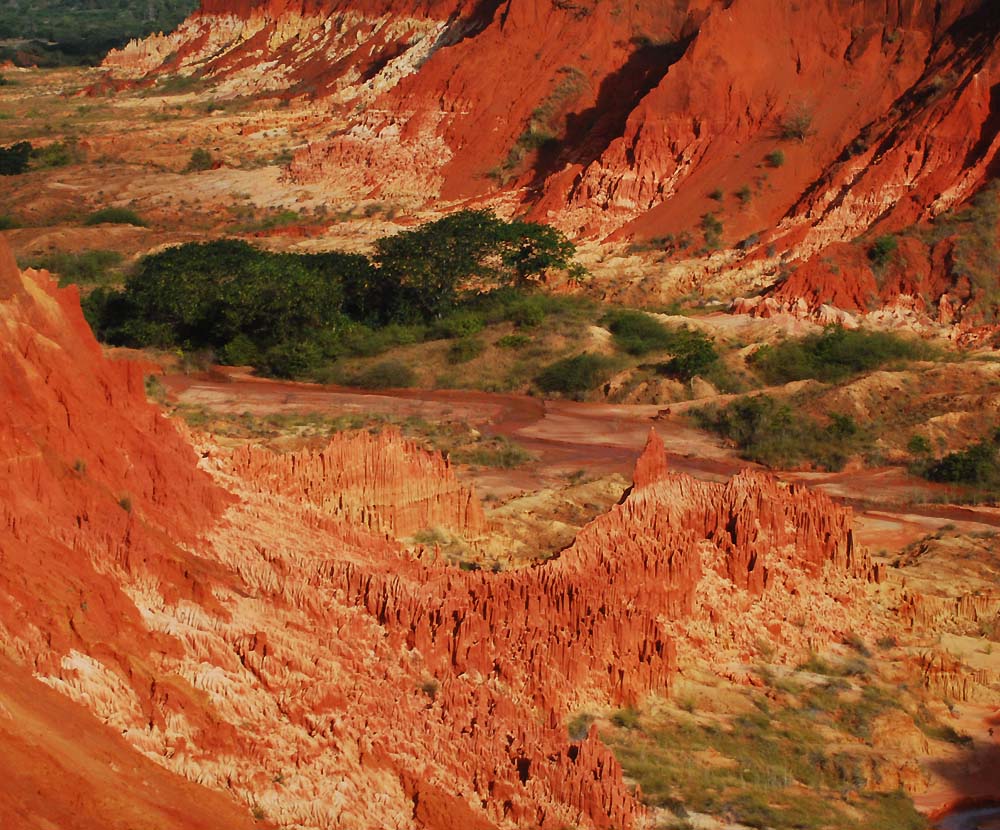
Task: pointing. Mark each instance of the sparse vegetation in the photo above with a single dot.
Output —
(776, 158)
(796, 124)
(774, 766)
(86, 268)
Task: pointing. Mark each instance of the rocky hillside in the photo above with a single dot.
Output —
(807, 122)
(245, 623)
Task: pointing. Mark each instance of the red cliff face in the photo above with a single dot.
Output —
(624, 119)
(245, 622)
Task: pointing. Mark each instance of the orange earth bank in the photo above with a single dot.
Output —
(246, 620)
(640, 111)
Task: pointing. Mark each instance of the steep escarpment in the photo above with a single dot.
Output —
(794, 124)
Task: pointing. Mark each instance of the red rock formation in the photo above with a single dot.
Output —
(624, 118)
(381, 482)
(254, 636)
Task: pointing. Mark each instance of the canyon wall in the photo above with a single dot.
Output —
(813, 122)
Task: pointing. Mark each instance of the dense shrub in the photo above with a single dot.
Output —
(835, 354)
(637, 333)
(459, 324)
(465, 349)
(115, 216)
(882, 250)
(776, 158)
(8, 222)
(200, 160)
(977, 466)
(286, 313)
(390, 374)
(773, 434)
(428, 268)
(575, 376)
(15, 158)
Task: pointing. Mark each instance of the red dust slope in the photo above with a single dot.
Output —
(244, 621)
(623, 119)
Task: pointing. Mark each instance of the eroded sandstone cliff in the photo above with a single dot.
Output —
(625, 118)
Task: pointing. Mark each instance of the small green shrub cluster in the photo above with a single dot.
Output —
(15, 158)
(773, 434)
(834, 355)
(976, 466)
(639, 334)
(57, 154)
(882, 250)
(201, 159)
(115, 216)
(577, 375)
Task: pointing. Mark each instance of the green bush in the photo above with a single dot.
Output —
(771, 433)
(8, 222)
(200, 160)
(291, 359)
(834, 355)
(15, 158)
(459, 324)
(115, 216)
(465, 349)
(286, 311)
(918, 445)
(57, 154)
(883, 250)
(711, 229)
(694, 354)
(513, 341)
(776, 158)
(977, 466)
(575, 376)
(638, 333)
(390, 374)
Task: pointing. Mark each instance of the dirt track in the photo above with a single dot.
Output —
(893, 507)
